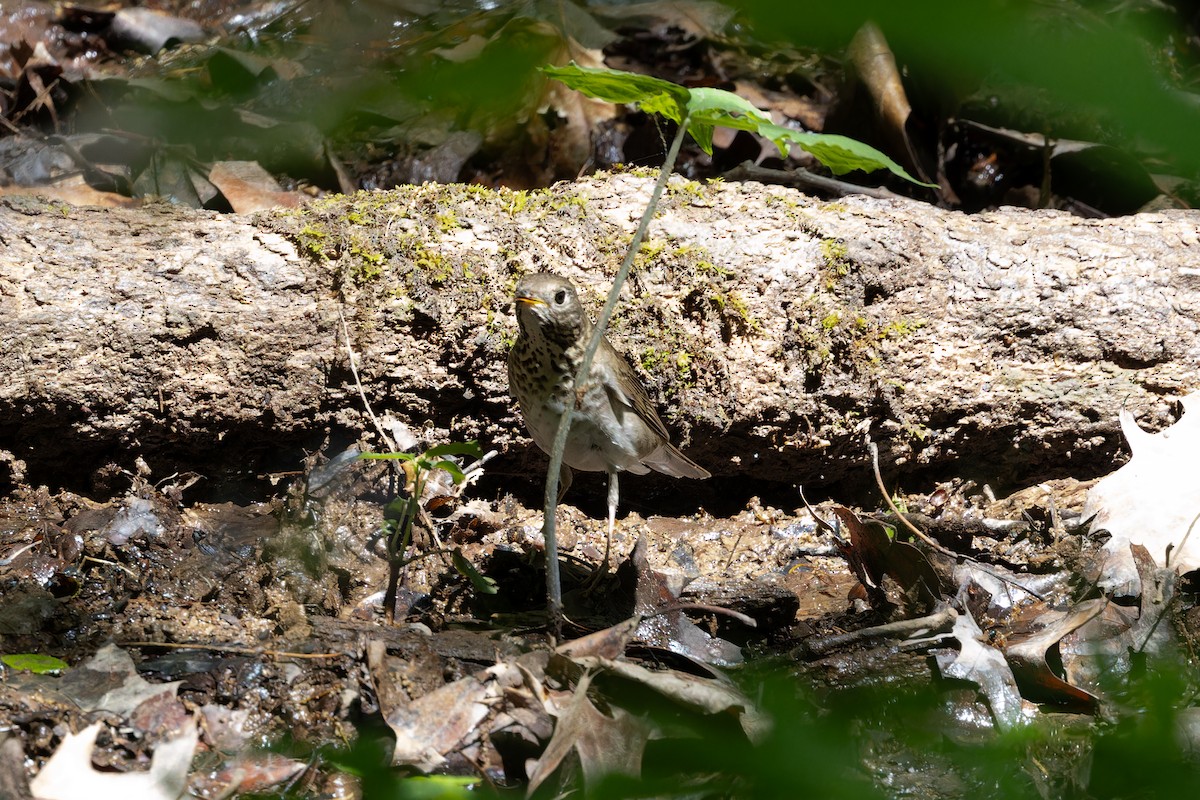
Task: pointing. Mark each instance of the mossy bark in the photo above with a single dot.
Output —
(779, 331)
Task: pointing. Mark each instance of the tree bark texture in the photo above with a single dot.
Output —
(777, 331)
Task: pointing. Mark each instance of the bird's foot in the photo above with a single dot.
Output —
(593, 584)
(594, 581)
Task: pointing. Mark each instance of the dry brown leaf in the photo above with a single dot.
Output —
(248, 187)
(74, 192)
(876, 65)
(1027, 656)
(438, 723)
(603, 744)
(110, 682)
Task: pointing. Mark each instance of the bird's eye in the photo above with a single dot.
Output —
(560, 297)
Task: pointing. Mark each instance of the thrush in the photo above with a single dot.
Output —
(614, 427)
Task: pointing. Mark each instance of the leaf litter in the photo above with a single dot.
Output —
(235, 625)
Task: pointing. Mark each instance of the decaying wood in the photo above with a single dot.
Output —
(778, 331)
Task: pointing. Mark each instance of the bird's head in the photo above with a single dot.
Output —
(548, 307)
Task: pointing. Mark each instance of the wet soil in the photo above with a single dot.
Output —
(266, 614)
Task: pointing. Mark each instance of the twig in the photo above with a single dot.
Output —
(745, 619)
(927, 539)
(1166, 589)
(387, 440)
(749, 171)
(905, 627)
(128, 571)
(233, 648)
(4, 562)
(1183, 541)
(553, 580)
(887, 498)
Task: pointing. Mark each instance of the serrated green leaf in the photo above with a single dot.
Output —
(35, 663)
(653, 95)
(480, 582)
(840, 154)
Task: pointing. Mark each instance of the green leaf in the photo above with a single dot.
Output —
(37, 664)
(654, 95)
(456, 449)
(399, 509)
(840, 154)
(707, 108)
(480, 582)
(725, 108)
(456, 473)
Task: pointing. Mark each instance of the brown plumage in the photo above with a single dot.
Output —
(615, 427)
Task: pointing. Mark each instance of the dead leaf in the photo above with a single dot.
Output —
(607, 643)
(248, 187)
(110, 682)
(876, 65)
(872, 554)
(75, 192)
(148, 30)
(174, 179)
(69, 775)
(985, 666)
(604, 744)
(438, 723)
(570, 144)
(248, 773)
(663, 623)
(13, 783)
(701, 695)
(702, 19)
(1153, 501)
(1027, 656)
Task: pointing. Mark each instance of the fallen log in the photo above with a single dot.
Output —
(776, 330)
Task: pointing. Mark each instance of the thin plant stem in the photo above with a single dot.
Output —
(350, 355)
(553, 581)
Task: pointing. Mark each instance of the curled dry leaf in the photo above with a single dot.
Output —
(604, 743)
(1154, 500)
(984, 666)
(69, 774)
(876, 66)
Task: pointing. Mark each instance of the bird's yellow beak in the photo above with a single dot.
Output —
(530, 301)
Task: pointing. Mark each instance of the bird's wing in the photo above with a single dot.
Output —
(670, 461)
(626, 388)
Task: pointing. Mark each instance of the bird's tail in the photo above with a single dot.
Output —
(667, 459)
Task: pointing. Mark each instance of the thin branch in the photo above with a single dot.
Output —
(233, 648)
(937, 546)
(887, 498)
(387, 440)
(821, 646)
(553, 580)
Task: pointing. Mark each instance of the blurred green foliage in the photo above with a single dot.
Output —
(890, 740)
(1100, 72)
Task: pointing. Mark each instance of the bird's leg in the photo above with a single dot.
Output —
(613, 494)
(593, 582)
